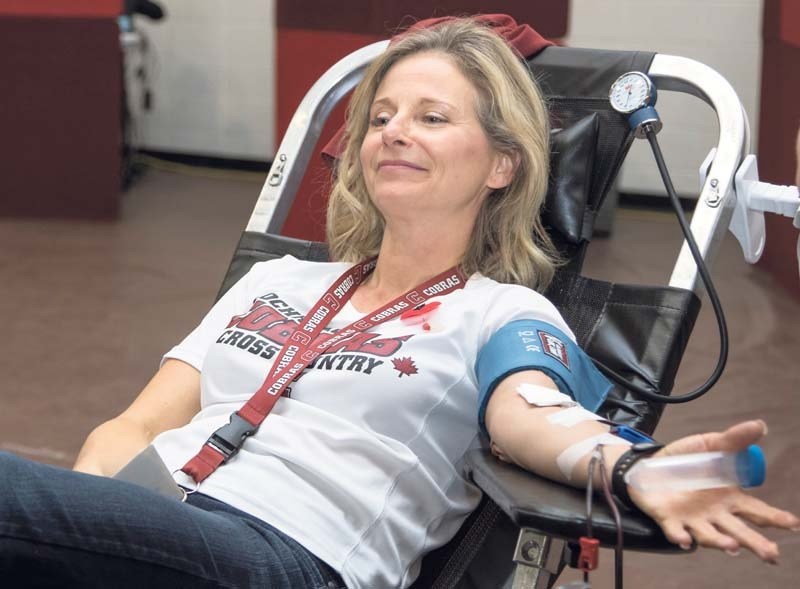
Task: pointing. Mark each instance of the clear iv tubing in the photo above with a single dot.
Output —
(704, 470)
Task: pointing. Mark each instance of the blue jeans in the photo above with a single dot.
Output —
(62, 529)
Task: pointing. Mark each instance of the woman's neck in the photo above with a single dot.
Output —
(403, 264)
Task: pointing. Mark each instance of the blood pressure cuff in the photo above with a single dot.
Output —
(526, 344)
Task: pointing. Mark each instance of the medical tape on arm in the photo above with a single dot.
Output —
(542, 396)
(567, 460)
(572, 416)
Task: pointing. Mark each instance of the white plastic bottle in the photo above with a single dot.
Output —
(705, 470)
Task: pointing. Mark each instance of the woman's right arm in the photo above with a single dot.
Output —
(170, 400)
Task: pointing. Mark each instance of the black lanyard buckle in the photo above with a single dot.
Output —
(230, 437)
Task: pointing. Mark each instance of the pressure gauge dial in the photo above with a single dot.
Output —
(631, 92)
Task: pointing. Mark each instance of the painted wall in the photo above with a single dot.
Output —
(61, 8)
(60, 109)
(723, 34)
(780, 119)
(211, 66)
(214, 67)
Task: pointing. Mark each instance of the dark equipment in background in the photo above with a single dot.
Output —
(144, 7)
(130, 38)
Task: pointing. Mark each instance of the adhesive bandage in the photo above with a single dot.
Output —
(567, 460)
(572, 416)
(542, 396)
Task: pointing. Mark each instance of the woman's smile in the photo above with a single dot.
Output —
(399, 165)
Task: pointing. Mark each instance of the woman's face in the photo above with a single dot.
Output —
(425, 150)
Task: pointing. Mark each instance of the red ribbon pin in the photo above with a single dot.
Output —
(419, 314)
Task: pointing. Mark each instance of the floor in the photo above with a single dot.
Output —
(87, 309)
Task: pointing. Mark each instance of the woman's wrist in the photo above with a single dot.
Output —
(88, 467)
(110, 447)
(623, 464)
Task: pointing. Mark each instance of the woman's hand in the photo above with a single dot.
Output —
(718, 518)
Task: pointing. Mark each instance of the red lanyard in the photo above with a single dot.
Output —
(301, 348)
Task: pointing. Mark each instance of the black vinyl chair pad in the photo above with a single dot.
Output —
(558, 510)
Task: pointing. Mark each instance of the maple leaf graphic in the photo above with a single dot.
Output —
(404, 366)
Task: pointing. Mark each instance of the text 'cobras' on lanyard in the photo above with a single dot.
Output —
(301, 348)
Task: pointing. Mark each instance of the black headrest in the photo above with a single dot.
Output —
(571, 166)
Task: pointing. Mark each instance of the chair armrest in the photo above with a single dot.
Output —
(534, 502)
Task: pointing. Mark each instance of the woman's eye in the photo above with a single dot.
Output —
(379, 120)
(434, 119)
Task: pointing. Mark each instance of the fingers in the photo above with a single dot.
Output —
(727, 532)
(723, 523)
(733, 439)
(733, 527)
(763, 514)
(676, 533)
(737, 437)
(708, 535)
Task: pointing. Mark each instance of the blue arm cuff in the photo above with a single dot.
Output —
(526, 344)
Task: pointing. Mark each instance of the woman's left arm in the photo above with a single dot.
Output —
(523, 433)
(527, 435)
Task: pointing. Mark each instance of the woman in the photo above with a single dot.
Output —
(355, 472)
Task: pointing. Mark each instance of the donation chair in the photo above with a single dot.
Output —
(525, 529)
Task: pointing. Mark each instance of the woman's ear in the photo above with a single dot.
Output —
(503, 171)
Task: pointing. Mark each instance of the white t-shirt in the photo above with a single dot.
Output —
(362, 463)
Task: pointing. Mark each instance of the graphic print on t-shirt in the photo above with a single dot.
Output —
(405, 366)
(270, 321)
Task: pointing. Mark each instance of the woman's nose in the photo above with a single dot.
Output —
(396, 131)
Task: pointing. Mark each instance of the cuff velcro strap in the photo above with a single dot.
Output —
(527, 344)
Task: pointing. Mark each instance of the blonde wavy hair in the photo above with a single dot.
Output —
(509, 243)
